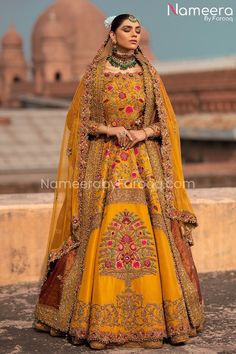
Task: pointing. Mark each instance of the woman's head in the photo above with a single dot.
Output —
(125, 28)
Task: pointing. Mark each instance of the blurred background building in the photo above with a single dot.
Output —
(35, 94)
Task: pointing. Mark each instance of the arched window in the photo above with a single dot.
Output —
(57, 76)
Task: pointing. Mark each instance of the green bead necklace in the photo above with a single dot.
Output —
(123, 63)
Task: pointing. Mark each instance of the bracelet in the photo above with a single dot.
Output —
(145, 134)
(93, 128)
(156, 129)
(108, 126)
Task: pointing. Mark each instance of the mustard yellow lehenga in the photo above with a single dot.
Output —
(139, 282)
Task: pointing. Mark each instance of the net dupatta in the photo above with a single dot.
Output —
(66, 203)
(65, 225)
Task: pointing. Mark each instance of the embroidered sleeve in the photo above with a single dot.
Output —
(155, 126)
(156, 129)
(93, 127)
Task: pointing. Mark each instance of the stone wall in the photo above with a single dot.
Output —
(24, 225)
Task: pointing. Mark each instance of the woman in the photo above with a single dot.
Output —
(119, 264)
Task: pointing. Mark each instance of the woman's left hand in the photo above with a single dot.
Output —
(137, 135)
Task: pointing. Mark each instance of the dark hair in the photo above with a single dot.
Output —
(118, 21)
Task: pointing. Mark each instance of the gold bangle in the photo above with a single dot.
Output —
(156, 129)
(108, 127)
(145, 134)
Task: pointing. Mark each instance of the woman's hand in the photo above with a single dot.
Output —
(137, 135)
(121, 133)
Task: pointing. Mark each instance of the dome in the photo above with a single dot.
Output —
(12, 37)
(71, 16)
(52, 28)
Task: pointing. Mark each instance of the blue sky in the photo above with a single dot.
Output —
(172, 37)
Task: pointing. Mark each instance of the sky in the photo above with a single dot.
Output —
(172, 37)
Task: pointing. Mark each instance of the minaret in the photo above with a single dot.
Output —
(13, 66)
(55, 62)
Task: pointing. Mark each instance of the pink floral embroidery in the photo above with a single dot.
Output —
(137, 224)
(129, 109)
(136, 264)
(121, 247)
(109, 243)
(127, 258)
(136, 150)
(122, 95)
(113, 166)
(134, 174)
(117, 184)
(108, 264)
(126, 239)
(131, 247)
(147, 263)
(107, 152)
(124, 156)
(126, 220)
(119, 265)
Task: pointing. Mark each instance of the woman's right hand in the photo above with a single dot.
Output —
(116, 131)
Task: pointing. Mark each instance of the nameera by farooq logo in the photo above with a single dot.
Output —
(209, 14)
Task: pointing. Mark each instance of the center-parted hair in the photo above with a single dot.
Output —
(118, 21)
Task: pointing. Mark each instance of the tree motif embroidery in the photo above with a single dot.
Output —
(127, 249)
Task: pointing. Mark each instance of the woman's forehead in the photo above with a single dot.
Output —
(129, 23)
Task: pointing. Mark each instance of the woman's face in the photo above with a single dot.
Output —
(127, 35)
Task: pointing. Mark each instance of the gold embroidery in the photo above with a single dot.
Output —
(124, 99)
(93, 127)
(126, 195)
(194, 307)
(127, 317)
(60, 318)
(156, 128)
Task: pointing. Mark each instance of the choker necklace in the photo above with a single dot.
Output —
(123, 61)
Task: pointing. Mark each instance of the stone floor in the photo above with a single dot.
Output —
(219, 336)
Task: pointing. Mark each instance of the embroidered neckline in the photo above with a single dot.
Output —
(120, 73)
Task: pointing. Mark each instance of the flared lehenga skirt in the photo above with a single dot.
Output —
(139, 281)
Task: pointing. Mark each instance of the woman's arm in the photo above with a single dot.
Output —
(153, 130)
(96, 128)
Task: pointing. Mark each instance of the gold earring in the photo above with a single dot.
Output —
(114, 47)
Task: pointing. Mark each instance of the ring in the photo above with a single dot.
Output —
(123, 133)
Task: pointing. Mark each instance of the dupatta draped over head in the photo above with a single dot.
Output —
(70, 215)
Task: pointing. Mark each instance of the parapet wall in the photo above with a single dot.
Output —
(25, 218)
